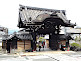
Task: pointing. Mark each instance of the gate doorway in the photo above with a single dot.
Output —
(43, 21)
(44, 43)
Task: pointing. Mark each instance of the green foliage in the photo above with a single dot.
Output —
(76, 45)
(41, 39)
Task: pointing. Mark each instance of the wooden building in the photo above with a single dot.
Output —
(39, 21)
(18, 42)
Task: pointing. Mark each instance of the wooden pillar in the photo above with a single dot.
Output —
(49, 40)
(67, 42)
(34, 41)
(53, 42)
(8, 46)
(24, 44)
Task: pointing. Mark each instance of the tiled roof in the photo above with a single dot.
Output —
(20, 36)
(30, 15)
(64, 37)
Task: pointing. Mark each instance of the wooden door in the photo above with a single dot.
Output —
(20, 45)
(27, 44)
(24, 46)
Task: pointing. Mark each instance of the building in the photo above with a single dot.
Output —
(3, 31)
(75, 34)
(38, 21)
(17, 41)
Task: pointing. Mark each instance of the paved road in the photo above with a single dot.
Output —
(57, 57)
(45, 57)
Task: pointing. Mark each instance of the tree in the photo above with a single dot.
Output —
(41, 39)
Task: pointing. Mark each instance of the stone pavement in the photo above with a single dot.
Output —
(43, 53)
(62, 57)
(57, 57)
(42, 56)
(52, 56)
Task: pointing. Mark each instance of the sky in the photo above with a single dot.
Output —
(9, 10)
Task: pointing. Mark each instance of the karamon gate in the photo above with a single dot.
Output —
(38, 21)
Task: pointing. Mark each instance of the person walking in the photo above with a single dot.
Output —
(40, 45)
(43, 44)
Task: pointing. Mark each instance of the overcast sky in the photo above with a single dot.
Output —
(9, 10)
